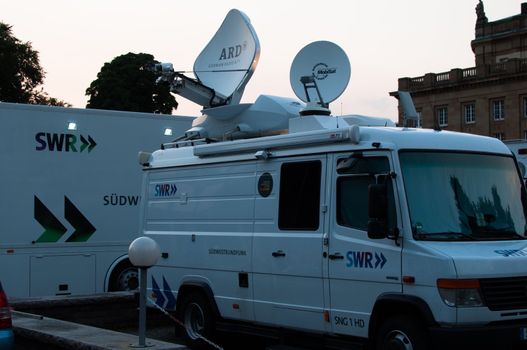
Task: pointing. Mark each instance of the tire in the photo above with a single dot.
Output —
(125, 277)
(196, 314)
(401, 333)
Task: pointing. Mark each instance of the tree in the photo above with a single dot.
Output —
(42, 98)
(20, 72)
(124, 85)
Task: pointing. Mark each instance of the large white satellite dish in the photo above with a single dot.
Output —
(320, 73)
(228, 61)
(222, 69)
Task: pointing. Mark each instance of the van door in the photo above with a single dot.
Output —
(288, 242)
(360, 269)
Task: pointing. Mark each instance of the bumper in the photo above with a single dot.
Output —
(6, 339)
(500, 336)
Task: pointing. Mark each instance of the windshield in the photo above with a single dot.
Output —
(463, 196)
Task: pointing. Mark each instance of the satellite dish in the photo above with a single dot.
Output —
(228, 61)
(222, 69)
(320, 73)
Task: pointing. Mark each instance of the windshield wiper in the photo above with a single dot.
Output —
(500, 234)
(445, 236)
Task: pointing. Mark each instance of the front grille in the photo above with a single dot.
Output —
(505, 293)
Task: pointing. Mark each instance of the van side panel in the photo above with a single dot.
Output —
(203, 220)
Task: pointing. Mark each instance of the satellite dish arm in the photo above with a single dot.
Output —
(195, 91)
(191, 89)
(310, 82)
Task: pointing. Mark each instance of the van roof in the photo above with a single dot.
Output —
(328, 140)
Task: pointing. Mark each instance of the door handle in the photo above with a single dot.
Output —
(278, 253)
(336, 256)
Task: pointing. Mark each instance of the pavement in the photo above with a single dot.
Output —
(69, 335)
(110, 321)
(90, 322)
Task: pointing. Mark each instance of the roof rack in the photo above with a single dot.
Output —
(185, 143)
(264, 145)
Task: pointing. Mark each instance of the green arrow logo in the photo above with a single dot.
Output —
(90, 143)
(83, 228)
(52, 226)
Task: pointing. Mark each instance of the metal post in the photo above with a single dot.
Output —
(144, 253)
(142, 307)
(142, 310)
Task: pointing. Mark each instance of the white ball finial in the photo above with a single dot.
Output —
(144, 252)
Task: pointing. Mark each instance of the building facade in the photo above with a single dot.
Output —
(488, 99)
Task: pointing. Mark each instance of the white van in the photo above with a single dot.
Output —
(277, 214)
(407, 237)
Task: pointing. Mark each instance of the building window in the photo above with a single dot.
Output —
(525, 106)
(499, 135)
(498, 109)
(469, 111)
(525, 134)
(442, 115)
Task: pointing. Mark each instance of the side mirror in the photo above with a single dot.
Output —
(377, 211)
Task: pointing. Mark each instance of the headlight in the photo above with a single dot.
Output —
(460, 293)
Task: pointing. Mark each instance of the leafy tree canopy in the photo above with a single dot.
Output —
(20, 72)
(124, 85)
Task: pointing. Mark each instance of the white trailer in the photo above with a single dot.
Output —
(70, 196)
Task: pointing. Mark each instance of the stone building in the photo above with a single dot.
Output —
(488, 99)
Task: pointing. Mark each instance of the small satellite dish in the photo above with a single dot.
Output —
(320, 73)
(228, 61)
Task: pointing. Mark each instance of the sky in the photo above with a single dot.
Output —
(384, 40)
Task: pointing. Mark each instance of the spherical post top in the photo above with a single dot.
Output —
(144, 252)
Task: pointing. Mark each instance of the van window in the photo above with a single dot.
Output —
(352, 191)
(299, 205)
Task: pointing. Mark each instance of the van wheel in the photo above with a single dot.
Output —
(196, 315)
(124, 278)
(401, 333)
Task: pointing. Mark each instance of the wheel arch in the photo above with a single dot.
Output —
(120, 263)
(197, 287)
(393, 303)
